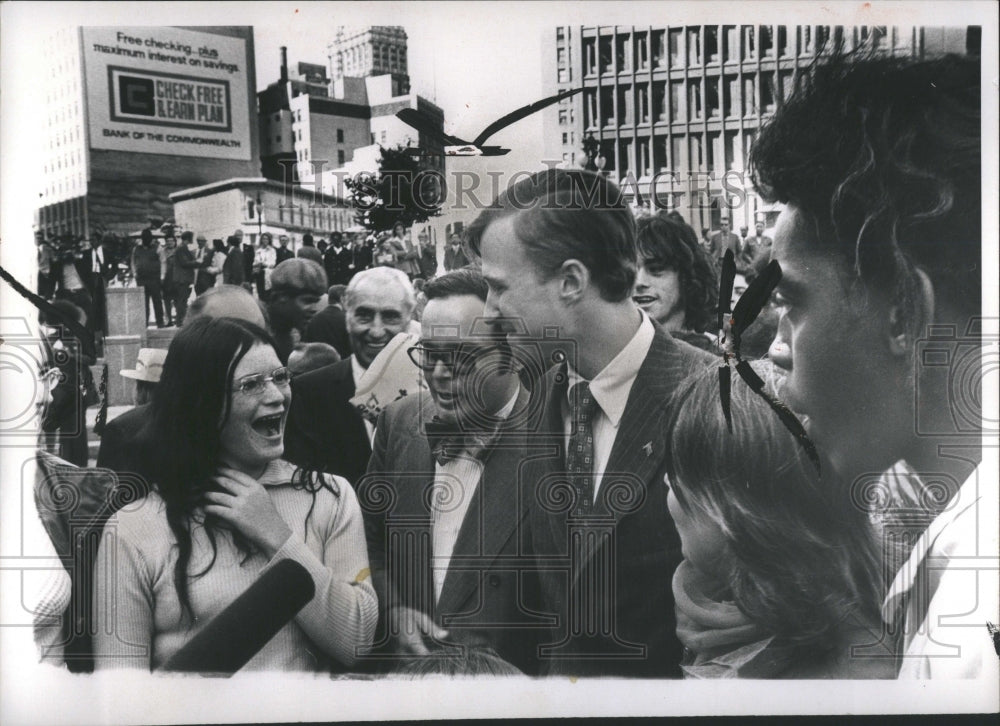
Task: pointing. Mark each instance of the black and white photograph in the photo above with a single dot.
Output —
(416, 361)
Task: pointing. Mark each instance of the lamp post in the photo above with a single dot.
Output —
(590, 148)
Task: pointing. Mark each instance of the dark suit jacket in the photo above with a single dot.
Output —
(234, 268)
(324, 431)
(638, 546)
(489, 598)
(329, 326)
(123, 442)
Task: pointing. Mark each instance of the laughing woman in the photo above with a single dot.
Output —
(223, 509)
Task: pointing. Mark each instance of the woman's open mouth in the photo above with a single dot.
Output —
(269, 426)
(643, 299)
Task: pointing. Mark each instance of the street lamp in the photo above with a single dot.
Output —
(590, 148)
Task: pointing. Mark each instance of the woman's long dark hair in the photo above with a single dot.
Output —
(802, 556)
(189, 410)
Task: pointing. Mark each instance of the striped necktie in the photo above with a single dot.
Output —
(580, 450)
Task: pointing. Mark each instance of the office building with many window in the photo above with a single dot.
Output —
(675, 109)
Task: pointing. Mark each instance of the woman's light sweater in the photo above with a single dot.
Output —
(137, 605)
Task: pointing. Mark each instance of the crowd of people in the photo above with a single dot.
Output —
(569, 489)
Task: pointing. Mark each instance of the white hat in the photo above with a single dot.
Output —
(148, 365)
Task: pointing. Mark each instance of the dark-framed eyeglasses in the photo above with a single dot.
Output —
(256, 383)
(451, 355)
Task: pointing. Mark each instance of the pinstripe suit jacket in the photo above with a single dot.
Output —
(613, 605)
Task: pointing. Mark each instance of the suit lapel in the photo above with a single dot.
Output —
(492, 518)
(641, 443)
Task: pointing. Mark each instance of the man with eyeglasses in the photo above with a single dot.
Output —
(324, 431)
(451, 459)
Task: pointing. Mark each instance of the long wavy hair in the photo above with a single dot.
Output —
(665, 243)
(190, 406)
(801, 556)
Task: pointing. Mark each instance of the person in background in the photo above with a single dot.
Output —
(428, 255)
(308, 250)
(204, 277)
(329, 325)
(338, 261)
(454, 255)
(70, 270)
(757, 251)
(98, 269)
(71, 388)
(878, 162)
(782, 575)
(185, 265)
(407, 258)
(264, 261)
(307, 357)
(45, 254)
(297, 285)
(168, 287)
(247, 248)
(234, 268)
(677, 283)
(282, 253)
(723, 240)
(119, 450)
(146, 271)
(386, 254)
(225, 507)
(325, 431)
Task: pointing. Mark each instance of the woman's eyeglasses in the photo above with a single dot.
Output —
(450, 355)
(254, 385)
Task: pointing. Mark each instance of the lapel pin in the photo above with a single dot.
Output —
(648, 448)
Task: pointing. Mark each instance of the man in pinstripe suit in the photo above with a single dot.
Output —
(559, 254)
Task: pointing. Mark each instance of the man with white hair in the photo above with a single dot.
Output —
(324, 430)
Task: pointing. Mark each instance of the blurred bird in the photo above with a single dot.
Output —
(454, 146)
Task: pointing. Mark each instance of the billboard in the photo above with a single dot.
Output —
(161, 90)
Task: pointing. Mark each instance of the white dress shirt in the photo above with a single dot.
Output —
(455, 484)
(610, 389)
(952, 580)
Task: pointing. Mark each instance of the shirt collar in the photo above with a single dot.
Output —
(611, 387)
(357, 370)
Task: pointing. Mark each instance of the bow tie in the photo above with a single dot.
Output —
(448, 440)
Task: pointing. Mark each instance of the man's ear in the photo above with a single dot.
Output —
(574, 279)
(906, 326)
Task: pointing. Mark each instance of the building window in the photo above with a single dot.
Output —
(277, 139)
(560, 33)
(641, 50)
(340, 157)
(694, 100)
(731, 96)
(565, 138)
(749, 96)
(805, 40)
(590, 108)
(340, 136)
(563, 116)
(589, 56)
(784, 51)
(676, 47)
(564, 75)
(694, 46)
(712, 97)
(658, 48)
(604, 50)
(766, 41)
(623, 54)
(642, 157)
(642, 103)
(731, 51)
(607, 107)
(624, 104)
(767, 92)
(678, 105)
(383, 136)
(749, 43)
(711, 44)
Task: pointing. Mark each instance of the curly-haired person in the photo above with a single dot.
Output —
(878, 163)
